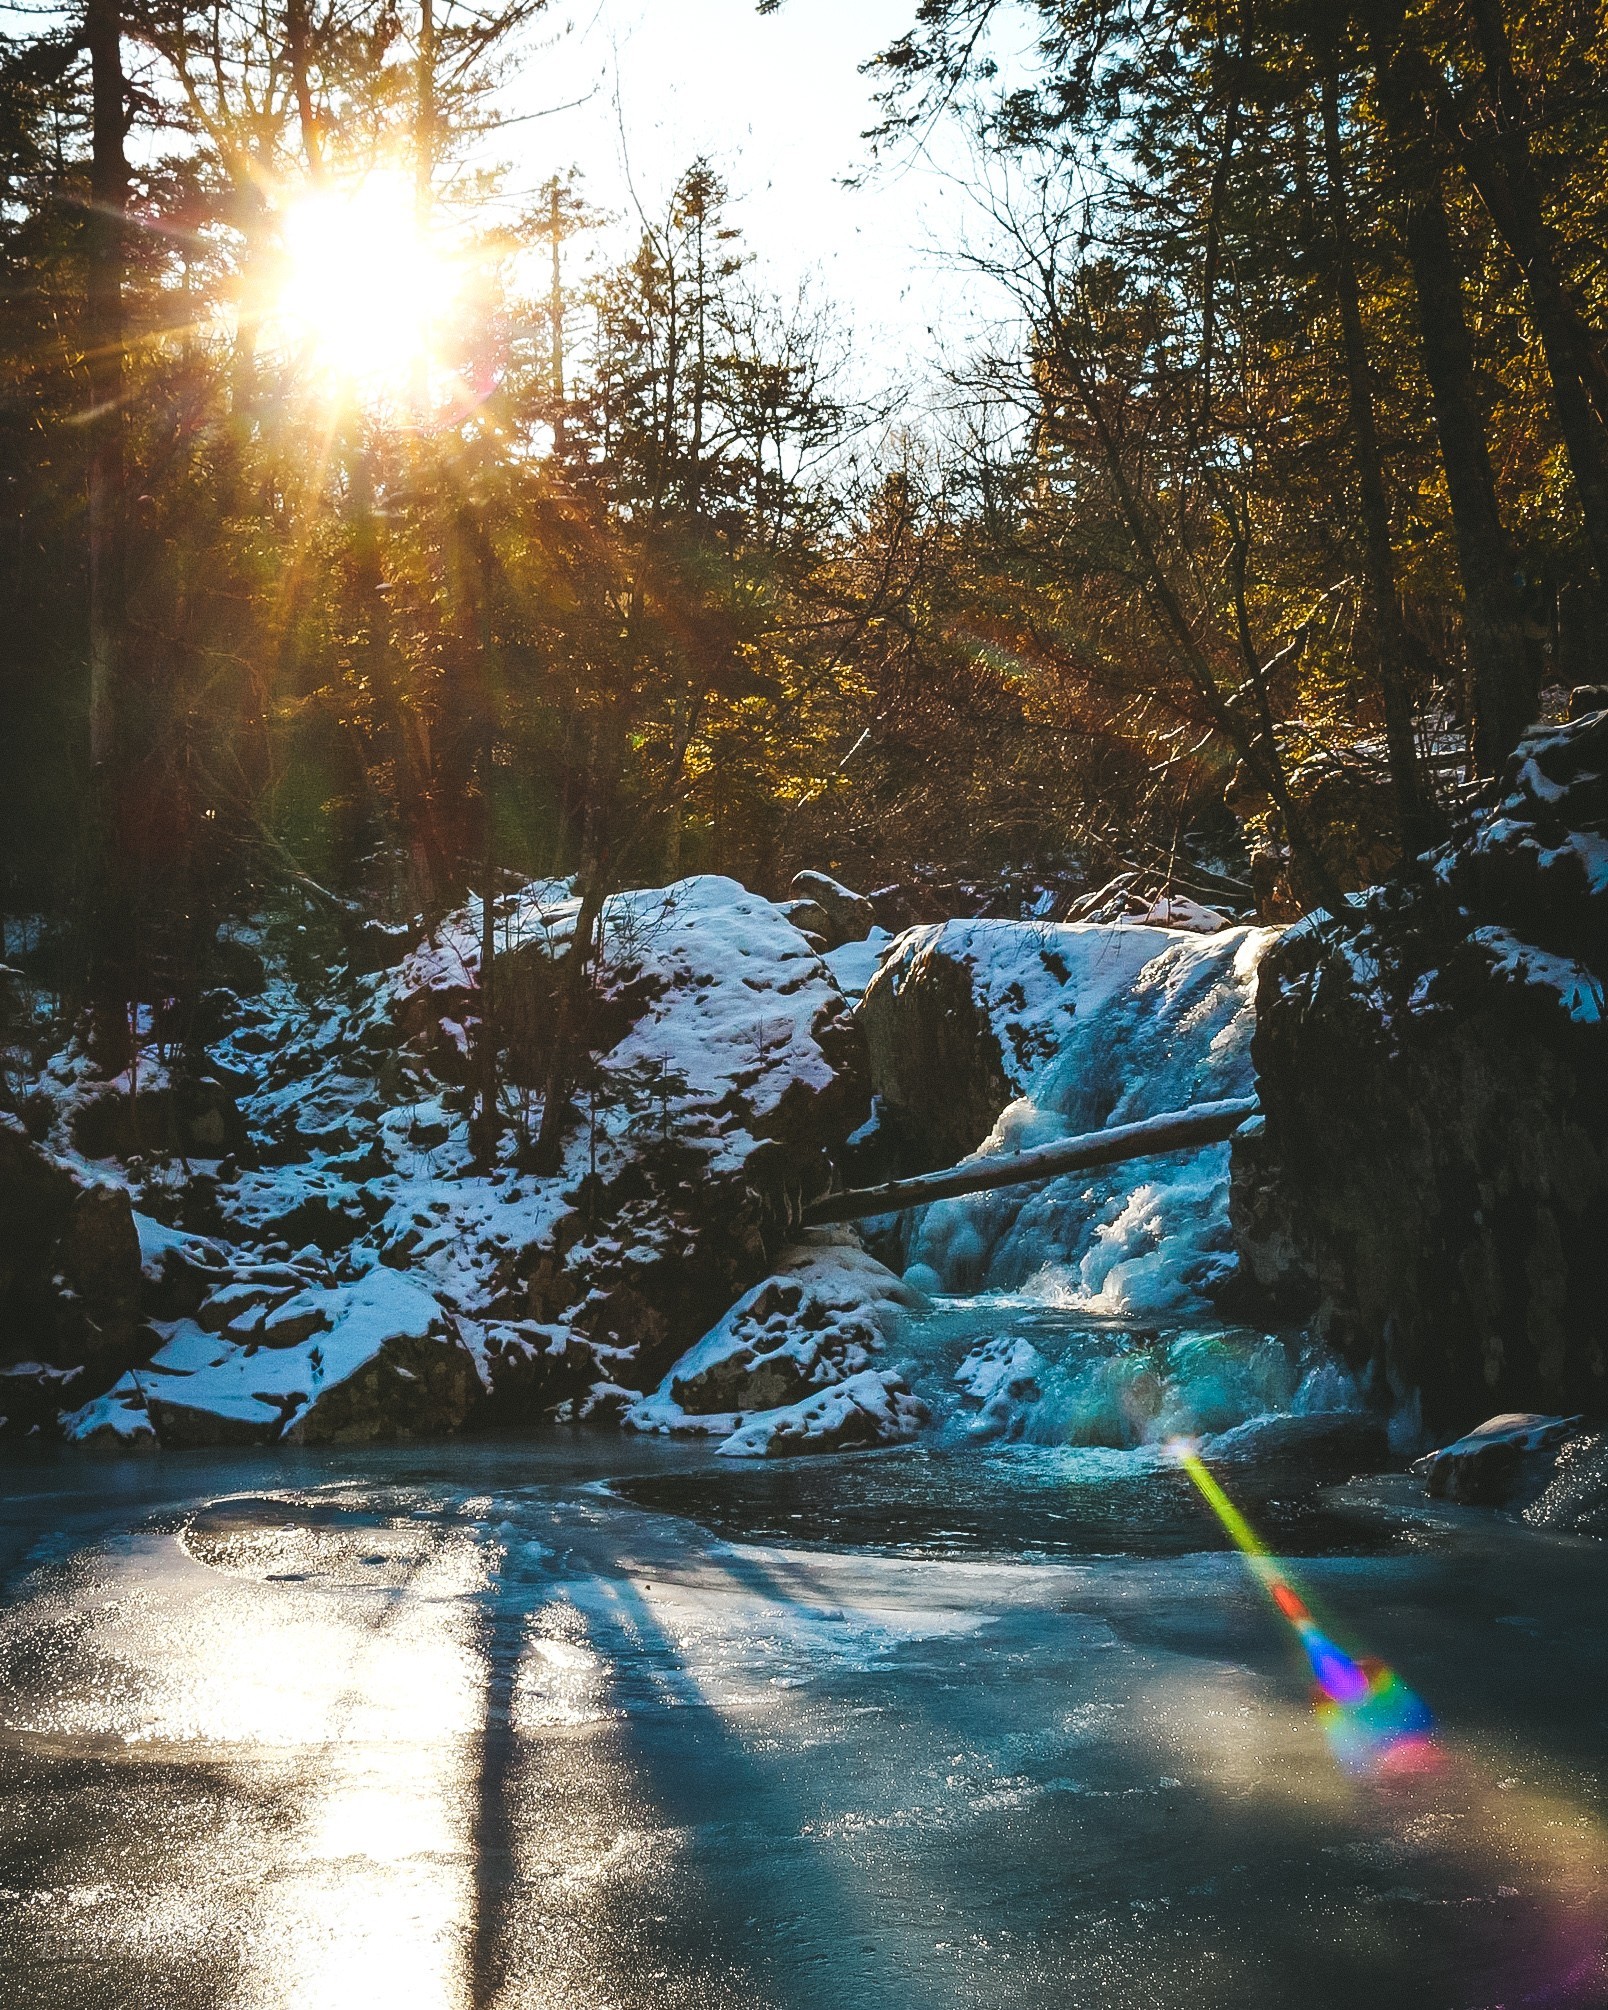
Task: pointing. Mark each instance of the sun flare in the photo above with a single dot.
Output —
(363, 291)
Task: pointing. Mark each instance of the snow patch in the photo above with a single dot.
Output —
(1579, 991)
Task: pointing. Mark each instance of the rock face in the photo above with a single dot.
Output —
(1433, 1170)
(70, 1280)
(961, 1016)
(354, 1272)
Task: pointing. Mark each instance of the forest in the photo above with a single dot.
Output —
(354, 543)
(803, 1132)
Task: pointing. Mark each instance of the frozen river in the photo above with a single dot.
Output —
(525, 1725)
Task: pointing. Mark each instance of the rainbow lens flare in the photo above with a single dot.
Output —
(1371, 1720)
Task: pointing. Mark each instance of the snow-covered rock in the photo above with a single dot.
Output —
(716, 1062)
(115, 1421)
(819, 1319)
(998, 1380)
(1434, 1076)
(871, 1408)
(1177, 910)
(849, 916)
(348, 1363)
(1489, 1465)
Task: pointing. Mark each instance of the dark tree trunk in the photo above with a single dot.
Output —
(1389, 642)
(297, 36)
(568, 1026)
(1503, 663)
(106, 251)
(1504, 174)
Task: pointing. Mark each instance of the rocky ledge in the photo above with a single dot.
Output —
(282, 1232)
(1431, 1175)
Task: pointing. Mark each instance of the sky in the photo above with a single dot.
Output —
(778, 104)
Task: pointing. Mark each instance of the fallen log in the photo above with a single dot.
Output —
(1173, 1131)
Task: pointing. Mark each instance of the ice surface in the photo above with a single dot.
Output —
(348, 1718)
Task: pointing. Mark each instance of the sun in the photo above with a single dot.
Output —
(363, 293)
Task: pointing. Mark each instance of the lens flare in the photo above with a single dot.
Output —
(363, 291)
(1371, 1720)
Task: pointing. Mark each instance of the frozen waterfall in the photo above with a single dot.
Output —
(1146, 1237)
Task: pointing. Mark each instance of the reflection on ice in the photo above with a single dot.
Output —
(574, 1753)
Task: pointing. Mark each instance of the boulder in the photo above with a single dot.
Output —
(37, 1191)
(848, 916)
(808, 916)
(381, 1365)
(821, 1316)
(193, 1115)
(999, 1381)
(871, 1408)
(1501, 1459)
(1434, 1077)
(70, 1276)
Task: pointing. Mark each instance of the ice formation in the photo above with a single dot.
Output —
(1149, 1236)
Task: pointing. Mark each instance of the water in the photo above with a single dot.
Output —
(1147, 1237)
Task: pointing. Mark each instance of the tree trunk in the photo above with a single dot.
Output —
(296, 36)
(1505, 673)
(424, 117)
(106, 252)
(555, 316)
(1504, 174)
(488, 1122)
(559, 1090)
(1390, 648)
(1173, 1131)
